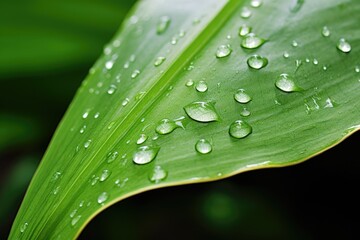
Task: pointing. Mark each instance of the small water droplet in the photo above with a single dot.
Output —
(328, 103)
(56, 176)
(125, 102)
(286, 55)
(294, 43)
(75, 220)
(257, 61)
(240, 129)
(245, 12)
(343, 45)
(87, 144)
(203, 146)
(142, 139)
(307, 60)
(223, 51)
(163, 24)
(102, 197)
(96, 115)
(126, 65)
(85, 114)
(251, 41)
(325, 31)
(241, 96)
(81, 204)
(111, 156)
(182, 33)
(244, 30)
(135, 73)
(324, 68)
(72, 214)
(23, 227)
(245, 112)
(145, 154)
(202, 111)
(158, 174)
(174, 40)
(159, 61)
(201, 86)
(166, 126)
(189, 83)
(357, 69)
(286, 84)
(111, 125)
(315, 61)
(109, 65)
(255, 3)
(104, 175)
(111, 89)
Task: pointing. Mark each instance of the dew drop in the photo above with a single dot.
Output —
(174, 41)
(343, 45)
(189, 83)
(111, 156)
(85, 114)
(87, 144)
(23, 227)
(203, 146)
(251, 41)
(315, 61)
(109, 65)
(158, 174)
(135, 73)
(245, 112)
(166, 126)
(241, 96)
(255, 3)
(223, 51)
(201, 86)
(257, 62)
(102, 197)
(75, 220)
(357, 69)
(159, 61)
(245, 12)
(163, 24)
(325, 31)
(72, 214)
(111, 125)
(328, 103)
(111, 89)
(240, 129)
(82, 129)
(104, 175)
(202, 111)
(286, 55)
(244, 30)
(286, 84)
(56, 176)
(145, 154)
(294, 43)
(125, 102)
(96, 115)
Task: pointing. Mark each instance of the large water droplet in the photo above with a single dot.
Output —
(240, 129)
(111, 89)
(142, 138)
(223, 51)
(145, 154)
(166, 126)
(201, 86)
(23, 227)
(245, 12)
(163, 24)
(286, 84)
(343, 45)
(102, 197)
(158, 174)
(244, 30)
(241, 96)
(203, 146)
(202, 111)
(135, 73)
(257, 62)
(159, 61)
(104, 175)
(251, 41)
(325, 31)
(255, 3)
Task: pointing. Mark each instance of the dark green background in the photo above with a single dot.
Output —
(46, 50)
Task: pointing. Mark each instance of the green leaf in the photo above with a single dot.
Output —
(185, 62)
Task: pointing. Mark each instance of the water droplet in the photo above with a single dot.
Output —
(189, 83)
(159, 61)
(315, 61)
(87, 144)
(56, 176)
(328, 103)
(111, 125)
(166, 126)
(255, 3)
(286, 84)
(244, 30)
(182, 33)
(145, 154)
(163, 24)
(307, 60)
(81, 204)
(201, 86)
(104, 175)
(109, 65)
(72, 214)
(245, 112)
(135, 73)
(23, 227)
(241, 96)
(142, 139)
(125, 102)
(126, 65)
(294, 43)
(56, 190)
(343, 45)
(257, 62)
(202, 111)
(174, 40)
(158, 174)
(111, 156)
(357, 69)
(324, 68)
(240, 129)
(286, 55)
(245, 12)
(203, 146)
(75, 220)
(102, 197)
(96, 115)
(111, 89)
(85, 114)
(325, 31)
(223, 51)
(251, 41)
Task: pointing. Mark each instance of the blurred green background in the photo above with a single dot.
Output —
(46, 50)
